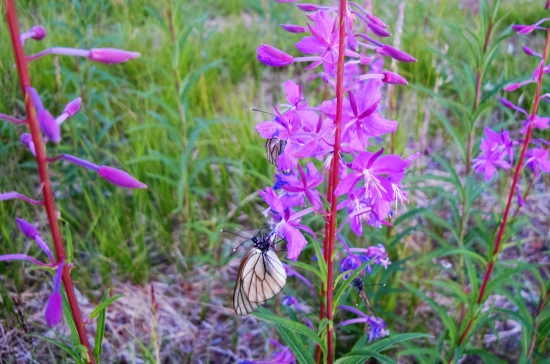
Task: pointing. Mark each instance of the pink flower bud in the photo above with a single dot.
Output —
(307, 7)
(119, 178)
(38, 32)
(524, 29)
(520, 199)
(394, 78)
(399, 55)
(73, 107)
(530, 52)
(54, 308)
(512, 87)
(378, 30)
(26, 139)
(377, 21)
(291, 28)
(48, 126)
(272, 56)
(111, 55)
(507, 103)
(26, 228)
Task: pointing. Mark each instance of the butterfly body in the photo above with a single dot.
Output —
(261, 276)
(359, 286)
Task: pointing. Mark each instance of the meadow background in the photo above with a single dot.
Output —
(179, 119)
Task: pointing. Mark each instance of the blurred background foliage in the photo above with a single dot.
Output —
(179, 119)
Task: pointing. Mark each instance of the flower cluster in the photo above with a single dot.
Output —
(497, 149)
(301, 138)
(371, 181)
(50, 127)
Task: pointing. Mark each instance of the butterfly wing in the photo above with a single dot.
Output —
(263, 275)
(274, 147)
(241, 303)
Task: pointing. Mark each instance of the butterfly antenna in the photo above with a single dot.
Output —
(240, 236)
(264, 112)
(293, 106)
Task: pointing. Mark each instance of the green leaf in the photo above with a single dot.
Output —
(346, 283)
(394, 339)
(361, 358)
(485, 356)
(298, 349)
(452, 131)
(324, 322)
(321, 262)
(69, 242)
(442, 312)
(100, 331)
(75, 339)
(497, 280)
(266, 315)
(104, 304)
(60, 345)
(305, 267)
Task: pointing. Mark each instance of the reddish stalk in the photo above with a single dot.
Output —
(49, 204)
(534, 336)
(331, 236)
(500, 236)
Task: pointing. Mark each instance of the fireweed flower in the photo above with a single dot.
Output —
(537, 158)
(54, 307)
(378, 327)
(287, 223)
(72, 108)
(306, 185)
(495, 148)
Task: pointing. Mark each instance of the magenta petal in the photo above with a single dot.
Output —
(394, 78)
(314, 199)
(293, 92)
(347, 183)
(295, 241)
(119, 178)
(54, 308)
(310, 45)
(26, 228)
(111, 55)
(269, 129)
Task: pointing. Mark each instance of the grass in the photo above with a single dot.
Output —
(178, 119)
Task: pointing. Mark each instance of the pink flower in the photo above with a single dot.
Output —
(274, 57)
(111, 55)
(119, 178)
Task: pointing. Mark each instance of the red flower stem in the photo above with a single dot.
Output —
(534, 336)
(496, 251)
(331, 236)
(49, 204)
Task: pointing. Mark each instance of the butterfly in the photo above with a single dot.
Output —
(261, 275)
(274, 147)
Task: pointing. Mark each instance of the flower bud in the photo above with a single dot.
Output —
(26, 139)
(119, 178)
(529, 51)
(111, 55)
(48, 126)
(523, 29)
(394, 78)
(512, 87)
(378, 30)
(73, 107)
(377, 21)
(399, 55)
(26, 228)
(292, 28)
(38, 32)
(520, 199)
(506, 103)
(307, 7)
(54, 308)
(272, 56)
